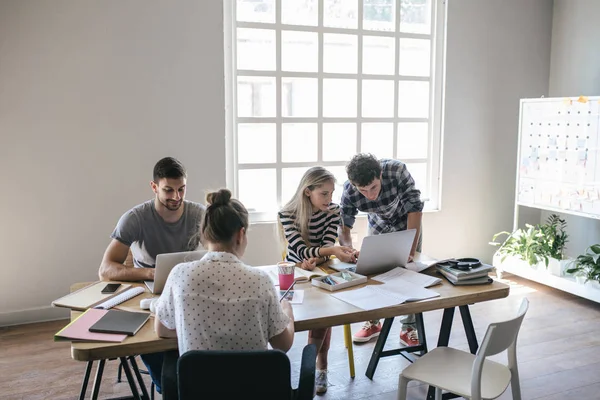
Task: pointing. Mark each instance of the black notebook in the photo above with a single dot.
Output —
(116, 321)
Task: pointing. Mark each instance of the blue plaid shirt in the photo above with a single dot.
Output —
(389, 212)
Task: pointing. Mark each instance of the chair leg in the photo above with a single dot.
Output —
(515, 385)
(438, 393)
(402, 387)
(348, 342)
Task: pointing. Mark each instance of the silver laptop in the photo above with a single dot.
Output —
(381, 253)
(165, 263)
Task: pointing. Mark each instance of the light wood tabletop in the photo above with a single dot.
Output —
(318, 310)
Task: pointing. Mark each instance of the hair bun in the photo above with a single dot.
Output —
(219, 198)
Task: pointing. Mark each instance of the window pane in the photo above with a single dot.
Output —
(300, 12)
(415, 16)
(339, 141)
(413, 138)
(415, 57)
(341, 177)
(340, 53)
(413, 99)
(299, 142)
(255, 10)
(299, 51)
(379, 15)
(378, 55)
(340, 13)
(339, 97)
(257, 97)
(378, 138)
(419, 173)
(256, 143)
(377, 98)
(299, 97)
(256, 49)
(257, 188)
(290, 179)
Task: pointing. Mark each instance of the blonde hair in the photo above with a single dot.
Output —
(300, 206)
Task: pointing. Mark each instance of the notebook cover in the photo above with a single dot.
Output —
(78, 329)
(88, 297)
(116, 321)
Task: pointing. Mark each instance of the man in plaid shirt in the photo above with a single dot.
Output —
(386, 191)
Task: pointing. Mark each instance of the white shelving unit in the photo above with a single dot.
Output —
(558, 170)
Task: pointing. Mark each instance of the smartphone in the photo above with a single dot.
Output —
(111, 288)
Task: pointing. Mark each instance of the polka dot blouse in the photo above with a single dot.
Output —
(219, 303)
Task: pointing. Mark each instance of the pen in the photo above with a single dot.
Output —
(287, 291)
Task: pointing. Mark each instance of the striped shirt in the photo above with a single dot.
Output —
(322, 228)
(389, 212)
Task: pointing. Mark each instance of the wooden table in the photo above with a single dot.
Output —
(319, 310)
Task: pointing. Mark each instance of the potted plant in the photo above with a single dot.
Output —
(587, 266)
(537, 246)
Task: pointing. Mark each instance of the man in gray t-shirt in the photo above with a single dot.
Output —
(147, 233)
(166, 224)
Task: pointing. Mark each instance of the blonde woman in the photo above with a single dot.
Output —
(309, 225)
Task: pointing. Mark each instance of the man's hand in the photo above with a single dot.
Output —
(345, 254)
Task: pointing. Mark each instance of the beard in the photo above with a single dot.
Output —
(171, 205)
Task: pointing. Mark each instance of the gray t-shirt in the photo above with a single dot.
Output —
(148, 234)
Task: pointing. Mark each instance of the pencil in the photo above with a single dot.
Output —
(287, 291)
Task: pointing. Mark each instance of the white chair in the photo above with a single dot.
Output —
(471, 376)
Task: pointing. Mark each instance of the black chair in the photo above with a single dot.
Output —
(264, 374)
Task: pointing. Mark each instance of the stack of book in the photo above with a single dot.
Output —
(473, 276)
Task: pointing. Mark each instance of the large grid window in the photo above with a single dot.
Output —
(313, 82)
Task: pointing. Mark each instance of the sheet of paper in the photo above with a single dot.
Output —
(373, 297)
(418, 266)
(406, 275)
(293, 296)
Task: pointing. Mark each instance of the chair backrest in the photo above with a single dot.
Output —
(263, 374)
(499, 336)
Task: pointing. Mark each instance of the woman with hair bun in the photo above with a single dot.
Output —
(218, 302)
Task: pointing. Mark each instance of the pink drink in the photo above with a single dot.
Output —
(286, 274)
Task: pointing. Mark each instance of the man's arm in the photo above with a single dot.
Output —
(113, 269)
(345, 235)
(414, 222)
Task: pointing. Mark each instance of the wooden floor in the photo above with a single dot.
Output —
(559, 353)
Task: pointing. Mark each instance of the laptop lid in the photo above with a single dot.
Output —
(165, 263)
(381, 253)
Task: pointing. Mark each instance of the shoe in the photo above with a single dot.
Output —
(409, 337)
(321, 381)
(367, 332)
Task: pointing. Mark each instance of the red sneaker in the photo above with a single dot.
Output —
(409, 337)
(368, 332)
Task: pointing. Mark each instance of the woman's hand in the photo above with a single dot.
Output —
(309, 264)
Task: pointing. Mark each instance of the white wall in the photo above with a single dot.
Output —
(93, 93)
(497, 52)
(575, 71)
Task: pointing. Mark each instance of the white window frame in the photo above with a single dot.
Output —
(436, 86)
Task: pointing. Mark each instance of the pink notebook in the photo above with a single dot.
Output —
(79, 329)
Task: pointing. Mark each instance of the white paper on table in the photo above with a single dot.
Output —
(399, 274)
(419, 266)
(294, 296)
(373, 297)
